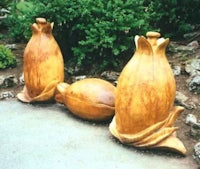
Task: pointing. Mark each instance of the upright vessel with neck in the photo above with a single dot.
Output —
(145, 96)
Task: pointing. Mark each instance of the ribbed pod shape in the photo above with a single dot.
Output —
(43, 63)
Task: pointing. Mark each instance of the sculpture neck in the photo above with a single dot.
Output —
(152, 38)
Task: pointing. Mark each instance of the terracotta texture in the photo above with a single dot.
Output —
(91, 98)
(43, 64)
(145, 96)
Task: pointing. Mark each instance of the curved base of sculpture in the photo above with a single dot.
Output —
(160, 135)
(46, 95)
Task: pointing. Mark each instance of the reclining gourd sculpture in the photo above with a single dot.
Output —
(145, 93)
(43, 64)
(90, 98)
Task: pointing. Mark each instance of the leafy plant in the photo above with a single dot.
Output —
(22, 15)
(88, 31)
(106, 29)
(7, 59)
(98, 34)
(173, 17)
(4, 3)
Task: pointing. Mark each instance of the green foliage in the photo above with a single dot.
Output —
(7, 59)
(173, 17)
(3, 12)
(90, 31)
(4, 3)
(105, 29)
(23, 14)
(99, 32)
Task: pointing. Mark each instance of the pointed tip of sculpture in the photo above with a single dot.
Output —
(173, 144)
(23, 97)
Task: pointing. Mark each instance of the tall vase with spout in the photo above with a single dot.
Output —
(43, 64)
(145, 96)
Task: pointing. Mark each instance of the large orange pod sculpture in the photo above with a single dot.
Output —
(145, 94)
(43, 64)
(90, 98)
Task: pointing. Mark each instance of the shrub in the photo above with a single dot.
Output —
(7, 59)
(105, 29)
(22, 15)
(88, 31)
(99, 32)
(3, 13)
(173, 17)
(4, 3)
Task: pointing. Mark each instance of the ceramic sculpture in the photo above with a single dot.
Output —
(145, 93)
(43, 64)
(90, 98)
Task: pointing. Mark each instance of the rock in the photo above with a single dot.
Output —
(8, 81)
(21, 79)
(191, 35)
(172, 47)
(193, 84)
(1, 81)
(4, 12)
(5, 95)
(193, 44)
(193, 66)
(195, 126)
(73, 69)
(191, 119)
(181, 100)
(181, 50)
(11, 46)
(110, 75)
(180, 97)
(186, 49)
(176, 70)
(195, 130)
(77, 78)
(196, 154)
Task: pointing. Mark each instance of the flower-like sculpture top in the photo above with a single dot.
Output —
(145, 95)
(43, 64)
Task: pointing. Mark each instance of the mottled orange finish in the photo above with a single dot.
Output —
(146, 89)
(43, 64)
(91, 98)
(144, 112)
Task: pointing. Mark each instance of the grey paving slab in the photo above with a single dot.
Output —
(47, 136)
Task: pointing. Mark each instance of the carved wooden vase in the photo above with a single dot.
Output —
(144, 111)
(43, 64)
(90, 99)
